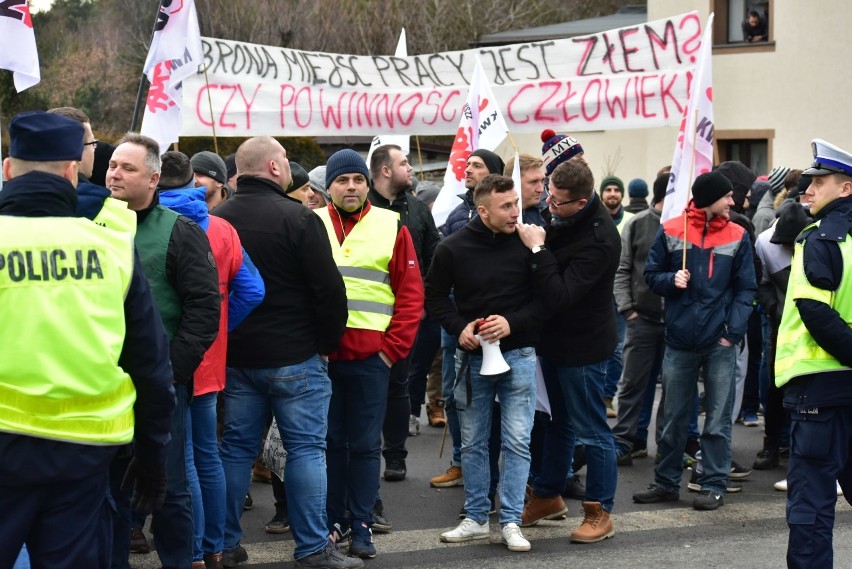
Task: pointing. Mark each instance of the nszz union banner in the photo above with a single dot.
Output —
(633, 77)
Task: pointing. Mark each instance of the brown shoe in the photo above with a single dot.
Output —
(138, 541)
(259, 473)
(610, 410)
(538, 508)
(596, 526)
(452, 477)
(435, 413)
(213, 560)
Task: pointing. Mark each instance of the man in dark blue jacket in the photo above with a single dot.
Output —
(707, 306)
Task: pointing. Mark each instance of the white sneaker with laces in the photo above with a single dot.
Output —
(467, 530)
(514, 539)
(781, 486)
(413, 426)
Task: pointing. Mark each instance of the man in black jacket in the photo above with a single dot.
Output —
(278, 355)
(391, 174)
(485, 266)
(180, 269)
(574, 272)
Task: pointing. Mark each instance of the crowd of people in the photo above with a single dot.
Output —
(182, 325)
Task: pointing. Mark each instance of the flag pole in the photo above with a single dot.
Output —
(419, 156)
(688, 189)
(143, 84)
(213, 120)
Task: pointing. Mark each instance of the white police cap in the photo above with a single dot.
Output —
(829, 159)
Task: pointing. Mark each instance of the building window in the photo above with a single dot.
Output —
(735, 24)
(753, 152)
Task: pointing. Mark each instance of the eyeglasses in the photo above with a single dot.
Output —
(555, 203)
(93, 144)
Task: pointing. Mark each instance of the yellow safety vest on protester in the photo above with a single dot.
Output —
(63, 282)
(797, 352)
(363, 261)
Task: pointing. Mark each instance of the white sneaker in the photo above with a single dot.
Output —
(781, 486)
(514, 539)
(413, 426)
(467, 530)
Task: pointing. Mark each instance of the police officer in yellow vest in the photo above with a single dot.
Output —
(814, 360)
(384, 293)
(85, 366)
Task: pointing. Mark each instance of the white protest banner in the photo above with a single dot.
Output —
(633, 77)
(18, 51)
(482, 126)
(401, 140)
(694, 149)
(175, 54)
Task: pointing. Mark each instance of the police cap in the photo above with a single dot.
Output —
(829, 159)
(45, 137)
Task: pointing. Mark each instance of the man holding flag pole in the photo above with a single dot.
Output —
(708, 295)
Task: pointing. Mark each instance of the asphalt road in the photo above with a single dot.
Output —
(749, 531)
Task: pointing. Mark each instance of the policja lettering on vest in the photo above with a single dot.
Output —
(51, 264)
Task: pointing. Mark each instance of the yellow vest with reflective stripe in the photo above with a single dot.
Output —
(62, 287)
(363, 261)
(797, 352)
(626, 216)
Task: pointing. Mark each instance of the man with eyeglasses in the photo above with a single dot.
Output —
(574, 263)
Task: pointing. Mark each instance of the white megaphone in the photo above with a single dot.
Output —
(492, 358)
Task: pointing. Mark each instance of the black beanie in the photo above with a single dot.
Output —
(493, 162)
(345, 161)
(709, 187)
(792, 218)
(660, 185)
(299, 176)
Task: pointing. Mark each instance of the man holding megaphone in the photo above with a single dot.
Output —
(496, 318)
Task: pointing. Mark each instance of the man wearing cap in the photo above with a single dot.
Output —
(814, 360)
(99, 387)
(764, 210)
(573, 264)
(637, 190)
(181, 270)
(241, 290)
(278, 356)
(642, 310)
(211, 173)
(612, 194)
(559, 148)
(316, 179)
(480, 163)
(375, 254)
(707, 306)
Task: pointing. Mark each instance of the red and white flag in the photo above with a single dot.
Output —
(694, 149)
(175, 54)
(18, 51)
(482, 126)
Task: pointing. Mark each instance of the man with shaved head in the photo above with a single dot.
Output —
(278, 355)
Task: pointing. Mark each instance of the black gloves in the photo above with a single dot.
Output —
(149, 486)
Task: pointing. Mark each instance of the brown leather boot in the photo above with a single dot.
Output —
(538, 508)
(435, 413)
(259, 472)
(213, 560)
(596, 526)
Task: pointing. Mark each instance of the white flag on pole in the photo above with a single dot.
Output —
(175, 54)
(18, 51)
(401, 140)
(516, 178)
(694, 149)
(482, 126)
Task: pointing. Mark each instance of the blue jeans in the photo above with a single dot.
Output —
(614, 364)
(475, 403)
(448, 380)
(359, 391)
(680, 378)
(206, 477)
(298, 396)
(576, 401)
(171, 525)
